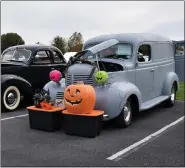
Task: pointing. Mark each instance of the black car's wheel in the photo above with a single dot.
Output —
(171, 101)
(125, 117)
(11, 98)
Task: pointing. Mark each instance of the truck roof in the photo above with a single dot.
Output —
(134, 38)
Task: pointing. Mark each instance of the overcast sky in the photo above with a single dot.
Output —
(41, 21)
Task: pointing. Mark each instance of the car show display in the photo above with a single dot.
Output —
(133, 84)
(109, 80)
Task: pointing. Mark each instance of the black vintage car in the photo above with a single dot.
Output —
(25, 68)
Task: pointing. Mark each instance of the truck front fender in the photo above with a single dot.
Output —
(111, 98)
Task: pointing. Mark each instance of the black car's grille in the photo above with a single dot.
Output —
(72, 79)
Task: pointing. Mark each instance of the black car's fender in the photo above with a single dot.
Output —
(18, 81)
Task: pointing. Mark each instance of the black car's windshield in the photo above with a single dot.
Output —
(111, 49)
(18, 55)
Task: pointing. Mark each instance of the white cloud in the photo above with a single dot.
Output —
(41, 21)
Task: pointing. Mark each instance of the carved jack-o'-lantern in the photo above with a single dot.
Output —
(101, 77)
(79, 98)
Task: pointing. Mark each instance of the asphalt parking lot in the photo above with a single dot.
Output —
(22, 146)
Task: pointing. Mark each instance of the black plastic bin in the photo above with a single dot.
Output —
(45, 120)
(85, 125)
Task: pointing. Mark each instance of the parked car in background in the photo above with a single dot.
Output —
(67, 55)
(141, 72)
(179, 59)
(25, 68)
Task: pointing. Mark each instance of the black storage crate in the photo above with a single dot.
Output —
(45, 121)
(82, 125)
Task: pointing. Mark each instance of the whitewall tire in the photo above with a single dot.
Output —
(11, 98)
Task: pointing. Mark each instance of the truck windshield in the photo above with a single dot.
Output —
(18, 55)
(111, 49)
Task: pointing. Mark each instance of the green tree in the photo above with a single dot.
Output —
(75, 42)
(60, 43)
(10, 39)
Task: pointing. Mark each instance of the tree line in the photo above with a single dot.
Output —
(72, 44)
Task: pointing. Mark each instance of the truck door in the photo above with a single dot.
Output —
(145, 72)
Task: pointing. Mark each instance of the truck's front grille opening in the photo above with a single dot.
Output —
(72, 79)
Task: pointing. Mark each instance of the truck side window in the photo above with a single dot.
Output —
(144, 53)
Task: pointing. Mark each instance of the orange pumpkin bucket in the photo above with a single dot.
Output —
(45, 119)
(85, 125)
(46, 106)
(79, 98)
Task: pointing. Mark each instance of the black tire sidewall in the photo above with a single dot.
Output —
(169, 102)
(120, 120)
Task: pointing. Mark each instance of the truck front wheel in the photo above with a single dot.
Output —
(125, 117)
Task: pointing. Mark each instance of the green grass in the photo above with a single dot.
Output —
(180, 93)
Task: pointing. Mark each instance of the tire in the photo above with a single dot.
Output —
(125, 117)
(171, 101)
(14, 98)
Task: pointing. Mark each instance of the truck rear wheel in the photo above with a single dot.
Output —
(11, 98)
(125, 117)
(171, 101)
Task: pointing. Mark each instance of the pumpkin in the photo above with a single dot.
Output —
(101, 77)
(79, 99)
(46, 106)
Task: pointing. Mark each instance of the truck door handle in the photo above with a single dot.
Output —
(152, 70)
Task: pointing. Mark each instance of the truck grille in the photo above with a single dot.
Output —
(72, 79)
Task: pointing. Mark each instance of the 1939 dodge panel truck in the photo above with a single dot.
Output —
(25, 68)
(140, 69)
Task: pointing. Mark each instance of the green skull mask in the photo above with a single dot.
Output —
(101, 77)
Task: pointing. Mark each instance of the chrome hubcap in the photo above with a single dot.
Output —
(127, 112)
(172, 95)
(11, 98)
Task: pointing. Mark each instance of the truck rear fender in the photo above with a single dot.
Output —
(171, 77)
